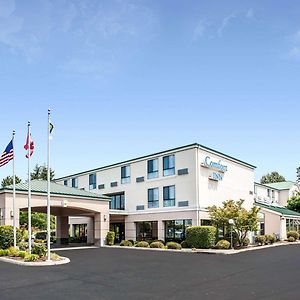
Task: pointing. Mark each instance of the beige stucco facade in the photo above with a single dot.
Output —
(202, 177)
(62, 206)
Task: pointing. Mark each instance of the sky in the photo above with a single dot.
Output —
(129, 78)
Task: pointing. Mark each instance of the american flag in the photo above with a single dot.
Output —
(7, 155)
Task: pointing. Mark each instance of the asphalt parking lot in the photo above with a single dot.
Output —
(132, 274)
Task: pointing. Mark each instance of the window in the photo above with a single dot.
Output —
(273, 194)
(92, 181)
(146, 230)
(153, 198)
(125, 174)
(66, 182)
(75, 182)
(169, 195)
(269, 192)
(175, 229)
(169, 165)
(117, 201)
(152, 168)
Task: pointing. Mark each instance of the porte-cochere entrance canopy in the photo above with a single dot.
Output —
(65, 202)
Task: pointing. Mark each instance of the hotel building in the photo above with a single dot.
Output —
(159, 195)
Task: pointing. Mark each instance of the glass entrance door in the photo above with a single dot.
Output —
(119, 230)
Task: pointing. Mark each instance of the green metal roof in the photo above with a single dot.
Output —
(279, 209)
(194, 145)
(284, 185)
(40, 186)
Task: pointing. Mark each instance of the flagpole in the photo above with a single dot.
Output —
(29, 191)
(14, 194)
(48, 191)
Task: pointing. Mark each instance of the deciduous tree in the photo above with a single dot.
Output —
(244, 220)
(271, 178)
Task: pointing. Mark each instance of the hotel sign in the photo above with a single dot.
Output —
(217, 166)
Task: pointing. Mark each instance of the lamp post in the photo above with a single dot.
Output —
(231, 223)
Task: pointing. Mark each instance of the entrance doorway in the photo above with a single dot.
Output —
(119, 230)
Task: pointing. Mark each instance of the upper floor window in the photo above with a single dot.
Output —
(125, 174)
(66, 182)
(75, 182)
(273, 194)
(169, 165)
(153, 198)
(269, 192)
(117, 201)
(152, 168)
(92, 181)
(169, 195)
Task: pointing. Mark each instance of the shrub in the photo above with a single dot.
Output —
(161, 241)
(201, 236)
(24, 235)
(3, 252)
(294, 234)
(291, 239)
(157, 245)
(23, 246)
(126, 243)
(223, 244)
(131, 241)
(13, 252)
(110, 238)
(184, 244)
(31, 257)
(22, 254)
(55, 256)
(7, 236)
(142, 244)
(270, 239)
(260, 239)
(173, 245)
(246, 242)
(39, 249)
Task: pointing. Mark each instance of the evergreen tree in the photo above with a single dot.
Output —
(8, 180)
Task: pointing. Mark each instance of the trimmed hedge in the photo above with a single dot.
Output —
(201, 236)
(184, 244)
(157, 245)
(223, 244)
(260, 239)
(7, 236)
(270, 239)
(294, 234)
(110, 238)
(173, 245)
(291, 239)
(142, 244)
(126, 243)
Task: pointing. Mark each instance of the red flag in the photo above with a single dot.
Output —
(27, 145)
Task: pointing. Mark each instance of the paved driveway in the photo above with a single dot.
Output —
(132, 274)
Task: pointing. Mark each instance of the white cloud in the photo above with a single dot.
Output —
(225, 23)
(250, 13)
(79, 35)
(200, 29)
(294, 53)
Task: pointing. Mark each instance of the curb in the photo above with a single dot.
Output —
(63, 261)
(206, 251)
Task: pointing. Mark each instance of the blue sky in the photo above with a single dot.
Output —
(129, 78)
